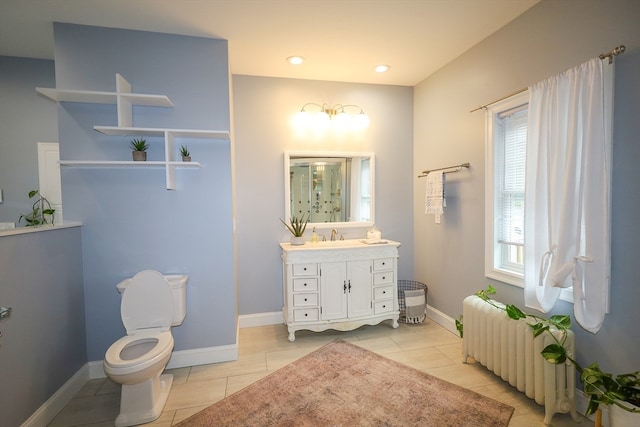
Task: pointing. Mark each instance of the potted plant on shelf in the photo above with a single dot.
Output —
(296, 227)
(40, 210)
(184, 152)
(139, 147)
(620, 393)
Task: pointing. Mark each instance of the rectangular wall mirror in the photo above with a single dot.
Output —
(333, 189)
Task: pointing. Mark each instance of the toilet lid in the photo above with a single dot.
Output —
(147, 302)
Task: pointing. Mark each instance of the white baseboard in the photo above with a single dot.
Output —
(261, 319)
(442, 319)
(49, 409)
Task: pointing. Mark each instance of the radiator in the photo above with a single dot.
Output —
(507, 348)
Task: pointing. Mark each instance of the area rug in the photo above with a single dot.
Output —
(342, 384)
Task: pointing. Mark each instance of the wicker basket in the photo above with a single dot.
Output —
(408, 285)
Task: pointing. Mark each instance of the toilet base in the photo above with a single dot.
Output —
(142, 403)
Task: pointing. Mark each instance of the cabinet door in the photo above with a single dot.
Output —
(361, 289)
(333, 292)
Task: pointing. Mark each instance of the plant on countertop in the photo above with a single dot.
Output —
(40, 209)
(139, 144)
(296, 226)
(601, 387)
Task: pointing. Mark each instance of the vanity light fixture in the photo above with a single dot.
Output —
(333, 115)
(295, 60)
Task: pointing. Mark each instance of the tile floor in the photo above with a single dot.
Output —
(427, 347)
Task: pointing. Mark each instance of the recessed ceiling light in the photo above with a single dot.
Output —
(382, 68)
(295, 60)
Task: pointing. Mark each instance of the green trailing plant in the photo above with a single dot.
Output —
(139, 144)
(604, 388)
(601, 387)
(40, 210)
(296, 225)
(184, 151)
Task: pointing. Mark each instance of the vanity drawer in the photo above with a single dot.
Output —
(383, 277)
(306, 315)
(305, 300)
(383, 306)
(382, 264)
(307, 269)
(305, 284)
(383, 292)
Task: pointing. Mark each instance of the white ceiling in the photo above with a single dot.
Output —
(342, 40)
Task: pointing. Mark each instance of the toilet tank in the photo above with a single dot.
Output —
(178, 284)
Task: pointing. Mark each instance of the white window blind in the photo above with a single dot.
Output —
(511, 134)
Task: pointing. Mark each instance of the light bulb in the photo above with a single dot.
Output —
(361, 122)
(342, 120)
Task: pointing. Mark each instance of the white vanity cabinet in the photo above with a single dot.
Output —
(339, 285)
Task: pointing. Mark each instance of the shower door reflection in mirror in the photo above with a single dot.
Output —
(330, 188)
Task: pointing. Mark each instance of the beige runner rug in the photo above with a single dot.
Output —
(342, 384)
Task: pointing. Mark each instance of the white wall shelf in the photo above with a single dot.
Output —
(96, 97)
(124, 100)
(178, 133)
(127, 164)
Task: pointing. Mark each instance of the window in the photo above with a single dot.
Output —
(506, 141)
(504, 204)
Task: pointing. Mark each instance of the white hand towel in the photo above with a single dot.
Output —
(435, 201)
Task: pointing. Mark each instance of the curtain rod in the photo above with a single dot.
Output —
(613, 52)
(456, 167)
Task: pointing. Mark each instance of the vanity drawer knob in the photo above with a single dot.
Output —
(306, 314)
(306, 299)
(384, 292)
(384, 277)
(305, 268)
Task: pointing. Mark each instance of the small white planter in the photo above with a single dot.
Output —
(297, 241)
(618, 417)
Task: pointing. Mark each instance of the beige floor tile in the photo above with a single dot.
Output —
(280, 359)
(86, 410)
(108, 387)
(255, 362)
(238, 382)
(383, 346)
(422, 358)
(91, 387)
(165, 419)
(180, 375)
(196, 393)
(183, 414)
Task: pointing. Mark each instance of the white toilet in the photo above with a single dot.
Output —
(151, 304)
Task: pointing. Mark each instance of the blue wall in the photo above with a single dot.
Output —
(43, 342)
(130, 221)
(26, 118)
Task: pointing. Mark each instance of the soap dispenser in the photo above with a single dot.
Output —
(314, 236)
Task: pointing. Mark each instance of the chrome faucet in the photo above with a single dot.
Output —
(334, 232)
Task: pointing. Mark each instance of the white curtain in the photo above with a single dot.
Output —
(567, 194)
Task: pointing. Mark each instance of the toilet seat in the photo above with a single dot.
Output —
(115, 363)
